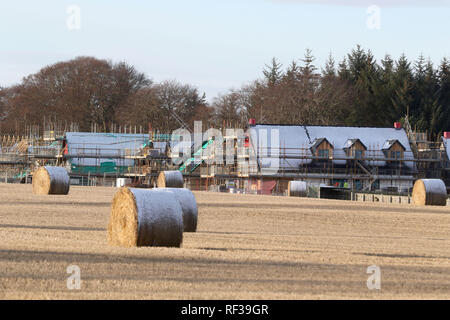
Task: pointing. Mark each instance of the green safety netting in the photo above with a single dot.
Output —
(105, 167)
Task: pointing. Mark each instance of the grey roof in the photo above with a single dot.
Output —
(295, 140)
(106, 147)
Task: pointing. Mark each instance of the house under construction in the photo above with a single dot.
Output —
(264, 157)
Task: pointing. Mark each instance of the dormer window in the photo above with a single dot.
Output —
(396, 155)
(358, 154)
(393, 150)
(354, 148)
(322, 149)
(323, 153)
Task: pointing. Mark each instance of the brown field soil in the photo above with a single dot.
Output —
(246, 247)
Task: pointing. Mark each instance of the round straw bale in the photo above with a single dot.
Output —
(51, 180)
(188, 205)
(145, 217)
(297, 189)
(170, 179)
(429, 192)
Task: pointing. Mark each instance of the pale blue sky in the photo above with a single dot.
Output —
(213, 45)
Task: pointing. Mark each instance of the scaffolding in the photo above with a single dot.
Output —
(362, 173)
(209, 170)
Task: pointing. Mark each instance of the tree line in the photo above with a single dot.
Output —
(89, 91)
(356, 91)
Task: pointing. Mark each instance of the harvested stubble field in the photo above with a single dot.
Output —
(246, 247)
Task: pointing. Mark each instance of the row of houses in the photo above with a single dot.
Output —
(361, 158)
(358, 157)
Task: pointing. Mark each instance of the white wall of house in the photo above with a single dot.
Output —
(402, 185)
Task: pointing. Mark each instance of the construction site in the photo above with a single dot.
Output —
(237, 160)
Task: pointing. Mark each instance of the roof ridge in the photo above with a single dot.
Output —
(325, 126)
